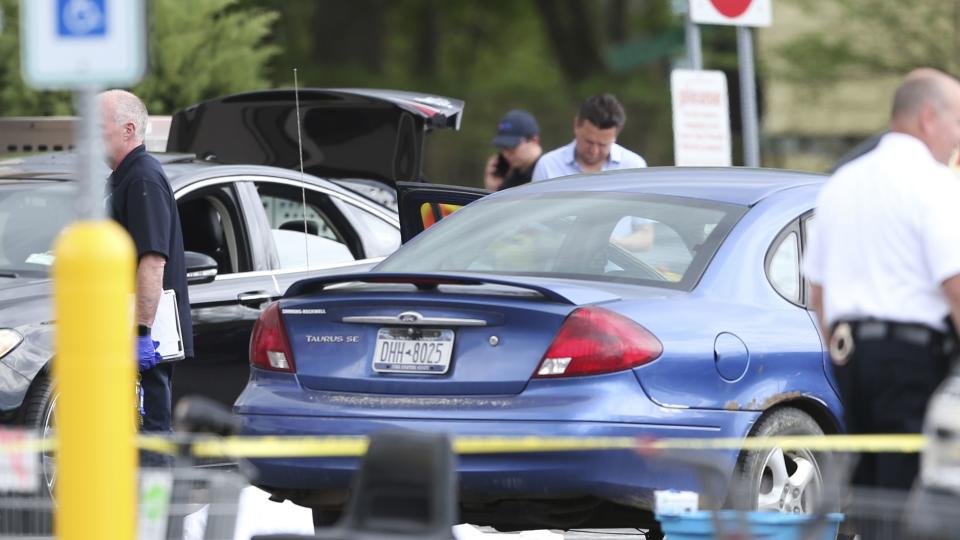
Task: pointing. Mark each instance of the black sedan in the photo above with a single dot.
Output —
(252, 224)
(244, 233)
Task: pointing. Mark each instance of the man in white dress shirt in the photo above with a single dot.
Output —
(594, 147)
(884, 263)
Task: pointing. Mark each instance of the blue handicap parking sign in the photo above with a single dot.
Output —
(81, 18)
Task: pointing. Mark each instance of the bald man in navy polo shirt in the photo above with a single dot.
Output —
(140, 199)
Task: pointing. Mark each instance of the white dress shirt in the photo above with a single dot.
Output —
(886, 235)
(563, 162)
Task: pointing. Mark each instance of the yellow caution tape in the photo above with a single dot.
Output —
(901, 443)
(27, 445)
(252, 447)
(261, 447)
(348, 446)
(156, 443)
(505, 445)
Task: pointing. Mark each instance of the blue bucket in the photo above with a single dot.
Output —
(759, 525)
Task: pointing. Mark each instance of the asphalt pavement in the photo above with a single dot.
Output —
(258, 515)
(586, 534)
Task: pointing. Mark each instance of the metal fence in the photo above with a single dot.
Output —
(175, 503)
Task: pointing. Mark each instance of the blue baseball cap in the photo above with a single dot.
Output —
(515, 126)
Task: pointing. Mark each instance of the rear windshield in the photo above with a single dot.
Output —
(31, 216)
(647, 239)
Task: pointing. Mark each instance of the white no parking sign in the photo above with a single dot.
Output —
(701, 118)
(78, 43)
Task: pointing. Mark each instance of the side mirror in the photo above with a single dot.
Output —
(201, 268)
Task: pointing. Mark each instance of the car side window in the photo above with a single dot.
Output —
(805, 241)
(783, 268)
(380, 238)
(212, 224)
(306, 235)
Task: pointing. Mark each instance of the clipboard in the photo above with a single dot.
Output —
(166, 328)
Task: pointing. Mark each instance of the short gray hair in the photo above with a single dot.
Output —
(916, 92)
(127, 108)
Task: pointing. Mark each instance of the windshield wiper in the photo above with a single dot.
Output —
(8, 274)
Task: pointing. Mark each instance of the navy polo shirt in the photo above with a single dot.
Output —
(142, 201)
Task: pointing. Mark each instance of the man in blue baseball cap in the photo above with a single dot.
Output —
(518, 141)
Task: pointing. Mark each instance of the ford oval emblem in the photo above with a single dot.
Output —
(409, 317)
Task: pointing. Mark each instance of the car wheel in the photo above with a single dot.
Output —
(38, 412)
(775, 479)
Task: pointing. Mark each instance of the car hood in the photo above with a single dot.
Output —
(357, 133)
(25, 300)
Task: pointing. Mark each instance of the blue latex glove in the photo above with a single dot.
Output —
(147, 355)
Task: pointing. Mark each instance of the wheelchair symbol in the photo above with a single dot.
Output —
(81, 18)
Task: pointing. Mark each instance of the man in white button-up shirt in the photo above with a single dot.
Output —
(884, 261)
(594, 147)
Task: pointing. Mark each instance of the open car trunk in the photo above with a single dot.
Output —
(346, 133)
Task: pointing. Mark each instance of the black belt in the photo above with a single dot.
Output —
(910, 333)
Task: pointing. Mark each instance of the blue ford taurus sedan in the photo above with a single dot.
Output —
(650, 303)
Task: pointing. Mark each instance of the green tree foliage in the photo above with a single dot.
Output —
(544, 56)
(202, 49)
(198, 50)
(861, 39)
(16, 98)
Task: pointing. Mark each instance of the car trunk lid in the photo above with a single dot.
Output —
(359, 133)
(475, 335)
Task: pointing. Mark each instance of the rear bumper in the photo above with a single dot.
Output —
(620, 476)
(276, 405)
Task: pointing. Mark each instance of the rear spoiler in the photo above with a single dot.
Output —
(423, 282)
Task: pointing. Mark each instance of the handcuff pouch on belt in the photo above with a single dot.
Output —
(841, 344)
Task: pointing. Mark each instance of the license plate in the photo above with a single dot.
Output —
(424, 351)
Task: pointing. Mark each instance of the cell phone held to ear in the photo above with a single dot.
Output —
(502, 166)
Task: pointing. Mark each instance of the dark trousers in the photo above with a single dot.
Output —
(885, 387)
(156, 383)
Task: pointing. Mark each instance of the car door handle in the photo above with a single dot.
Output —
(253, 299)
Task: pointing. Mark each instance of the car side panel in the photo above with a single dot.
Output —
(784, 354)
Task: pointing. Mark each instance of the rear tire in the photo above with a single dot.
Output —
(775, 479)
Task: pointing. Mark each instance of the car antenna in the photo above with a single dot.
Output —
(303, 186)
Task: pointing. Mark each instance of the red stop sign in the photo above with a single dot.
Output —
(731, 8)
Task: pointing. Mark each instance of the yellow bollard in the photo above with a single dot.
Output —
(94, 371)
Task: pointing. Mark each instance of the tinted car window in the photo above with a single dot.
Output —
(784, 268)
(575, 235)
(31, 217)
(212, 225)
(653, 244)
(305, 235)
(380, 238)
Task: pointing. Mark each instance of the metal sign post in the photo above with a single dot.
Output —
(743, 14)
(89, 145)
(691, 34)
(694, 47)
(87, 45)
(748, 98)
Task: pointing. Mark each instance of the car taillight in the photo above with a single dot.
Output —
(269, 348)
(594, 340)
